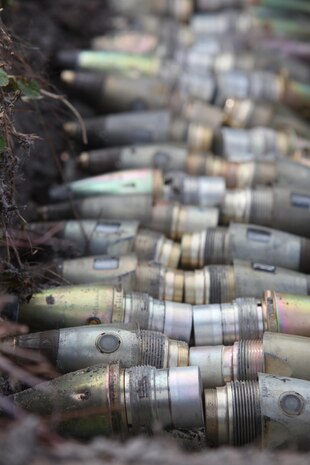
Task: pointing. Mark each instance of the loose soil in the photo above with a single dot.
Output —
(42, 28)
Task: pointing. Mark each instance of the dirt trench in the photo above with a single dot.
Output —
(41, 28)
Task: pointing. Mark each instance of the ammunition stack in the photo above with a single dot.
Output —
(183, 300)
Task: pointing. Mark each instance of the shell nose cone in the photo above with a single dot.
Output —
(45, 342)
(67, 59)
(59, 193)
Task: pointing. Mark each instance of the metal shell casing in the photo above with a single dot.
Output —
(241, 172)
(219, 324)
(222, 364)
(165, 28)
(286, 313)
(180, 393)
(109, 61)
(112, 92)
(285, 410)
(265, 245)
(101, 269)
(247, 113)
(174, 220)
(233, 414)
(130, 182)
(258, 276)
(171, 219)
(244, 242)
(89, 402)
(194, 86)
(199, 111)
(189, 190)
(253, 143)
(207, 5)
(221, 23)
(124, 128)
(260, 85)
(152, 246)
(90, 237)
(171, 318)
(278, 172)
(249, 318)
(150, 277)
(141, 128)
(181, 10)
(113, 207)
(278, 354)
(71, 349)
(69, 306)
(238, 172)
(104, 400)
(62, 307)
(157, 156)
(274, 412)
(286, 355)
(196, 60)
(267, 206)
(295, 202)
(93, 237)
(290, 173)
(130, 41)
(218, 283)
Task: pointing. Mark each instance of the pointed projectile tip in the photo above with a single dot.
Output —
(68, 77)
(83, 160)
(70, 128)
(59, 193)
